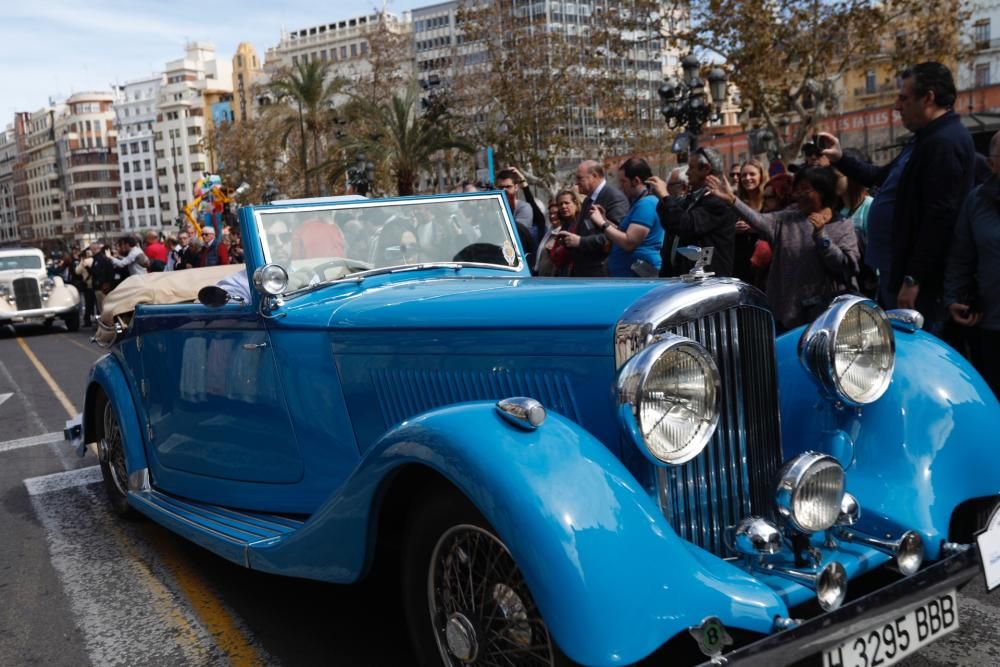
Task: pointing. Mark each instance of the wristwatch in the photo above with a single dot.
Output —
(605, 226)
(910, 281)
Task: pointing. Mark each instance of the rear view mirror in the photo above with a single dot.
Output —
(213, 296)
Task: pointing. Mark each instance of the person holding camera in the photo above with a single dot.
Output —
(972, 278)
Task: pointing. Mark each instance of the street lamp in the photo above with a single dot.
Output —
(687, 104)
(361, 176)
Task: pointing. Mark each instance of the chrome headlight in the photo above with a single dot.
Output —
(4, 290)
(271, 279)
(668, 397)
(48, 284)
(851, 350)
(810, 490)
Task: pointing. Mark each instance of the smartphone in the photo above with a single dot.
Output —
(822, 143)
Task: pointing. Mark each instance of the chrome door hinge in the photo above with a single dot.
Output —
(144, 388)
(149, 432)
(138, 343)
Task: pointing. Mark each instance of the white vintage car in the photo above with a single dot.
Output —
(29, 296)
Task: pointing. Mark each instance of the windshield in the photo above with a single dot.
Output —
(329, 243)
(14, 262)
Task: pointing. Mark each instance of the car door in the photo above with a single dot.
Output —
(212, 395)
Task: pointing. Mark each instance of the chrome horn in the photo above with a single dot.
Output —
(908, 550)
(830, 583)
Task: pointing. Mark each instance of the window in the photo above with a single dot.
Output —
(151, 202)
(146, 165)
(870, 82)
(981, 32)
(145, 146)
(982, 75)
(138, 184)
(125, 167)
(354, 50)
(149, 184)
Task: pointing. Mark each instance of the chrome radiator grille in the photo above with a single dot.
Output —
(734, 476)
(26, 294)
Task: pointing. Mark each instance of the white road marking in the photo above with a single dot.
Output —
(59, 450)
(44, 439)
(121, 596)
(4, 397)
(63, 480)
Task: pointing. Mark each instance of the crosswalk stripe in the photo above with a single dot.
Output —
(31, 441)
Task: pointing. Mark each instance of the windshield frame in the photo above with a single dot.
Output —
(27, 255)
(305, 206)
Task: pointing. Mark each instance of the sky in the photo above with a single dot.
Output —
(53, 48)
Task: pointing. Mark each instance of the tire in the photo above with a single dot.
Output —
(72, 321)
(111, 450)
(451, 628)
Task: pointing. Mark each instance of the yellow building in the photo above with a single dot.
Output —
(247, 73)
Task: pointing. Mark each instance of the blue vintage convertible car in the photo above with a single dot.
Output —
(587, 471)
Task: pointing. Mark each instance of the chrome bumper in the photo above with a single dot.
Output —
(830, 629)
(21, 316)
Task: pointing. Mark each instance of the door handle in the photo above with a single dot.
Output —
(253, 346)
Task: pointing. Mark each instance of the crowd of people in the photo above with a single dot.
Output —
(921, 232)
(99, 268)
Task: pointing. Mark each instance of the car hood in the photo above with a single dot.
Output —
(473, 303)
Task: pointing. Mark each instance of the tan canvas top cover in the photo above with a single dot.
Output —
(164, 287)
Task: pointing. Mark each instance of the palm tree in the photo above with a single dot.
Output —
(306, 85)
(400, 138)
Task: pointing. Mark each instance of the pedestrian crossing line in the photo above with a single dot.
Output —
(228, 635)
(31, 441)
(68, 406)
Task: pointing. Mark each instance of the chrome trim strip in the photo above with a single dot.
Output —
(904, 319)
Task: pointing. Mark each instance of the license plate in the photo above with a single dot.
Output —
(892, 641)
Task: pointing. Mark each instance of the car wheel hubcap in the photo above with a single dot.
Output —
(480, 605)
(461, 637)
(113, 451)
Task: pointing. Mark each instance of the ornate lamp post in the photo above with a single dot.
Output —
(686, 103)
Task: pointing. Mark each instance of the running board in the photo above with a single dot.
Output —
(229, 533)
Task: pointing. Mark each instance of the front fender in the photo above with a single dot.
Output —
(915, 454)
(610, 576)
(107, 376)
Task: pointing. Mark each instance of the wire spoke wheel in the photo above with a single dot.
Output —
(115, 450)
(480, 606)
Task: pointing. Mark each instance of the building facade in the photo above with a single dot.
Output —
(8, 209)
(248, 75)
(135, 110)
(87, 151)
(983, 68)
(191, 86)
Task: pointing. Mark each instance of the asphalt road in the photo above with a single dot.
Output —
(78, 587)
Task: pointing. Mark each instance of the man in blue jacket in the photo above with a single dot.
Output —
(912, 220)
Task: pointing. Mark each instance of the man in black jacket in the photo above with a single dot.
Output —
(699, 219)
(912, 220)
(587, 244)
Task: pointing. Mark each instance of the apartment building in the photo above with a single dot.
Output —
(42, 193)
(8, 209)
(343, 44)
(983, 69)
(191, 87)
(135, 115)
(87, 152)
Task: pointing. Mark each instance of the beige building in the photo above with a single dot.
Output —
(44, 197)
(87, 146)
(343, 44)
(247, 76)
(192, 87)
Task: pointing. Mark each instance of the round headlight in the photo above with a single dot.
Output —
(668, 396)
(851, 350)
(271, 279)
(48, 284)
(4, 290)
(810, 490)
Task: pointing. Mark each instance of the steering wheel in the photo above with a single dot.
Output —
(349, 266)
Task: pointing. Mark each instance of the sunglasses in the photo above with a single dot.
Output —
(407, 247)
(280, 237)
